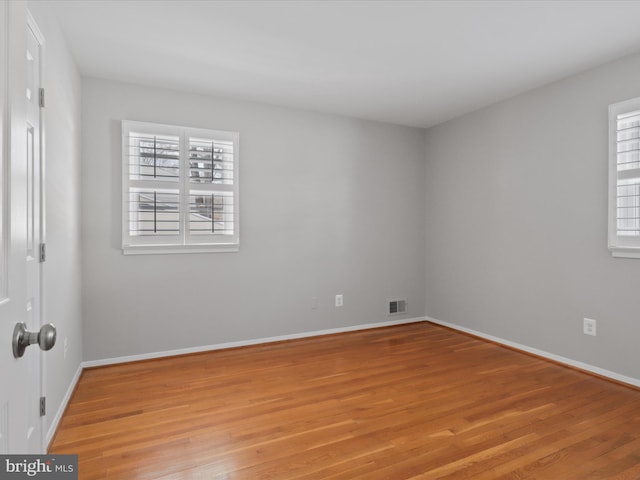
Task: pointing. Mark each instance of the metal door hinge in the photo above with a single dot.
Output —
(41, 98)
(43, 406)
(43, 252)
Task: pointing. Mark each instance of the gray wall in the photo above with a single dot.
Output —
(514, 223)
(61, 272)
(516, 209)
(328, 205)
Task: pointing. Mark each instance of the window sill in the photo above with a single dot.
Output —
(172, 249)
(628, 252)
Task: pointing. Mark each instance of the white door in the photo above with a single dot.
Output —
(20, 426)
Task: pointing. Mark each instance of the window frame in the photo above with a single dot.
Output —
(184, 241)
(619, 246)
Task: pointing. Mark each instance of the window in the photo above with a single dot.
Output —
(624, 179)
(180, 189)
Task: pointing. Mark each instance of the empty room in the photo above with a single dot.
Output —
(296, 240)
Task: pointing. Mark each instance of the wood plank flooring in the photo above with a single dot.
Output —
(416, 401)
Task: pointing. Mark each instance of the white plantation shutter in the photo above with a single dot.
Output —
(624, 178)
(153, 203)
(211, 185)
(180, 189)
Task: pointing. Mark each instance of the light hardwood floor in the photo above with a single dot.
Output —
(416, 401)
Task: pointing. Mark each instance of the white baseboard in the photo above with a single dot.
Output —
(541, 353)
(244, 343)
(63, 405)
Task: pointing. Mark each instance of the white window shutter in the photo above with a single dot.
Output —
(624, 178)
(180, 189)
(212, 185)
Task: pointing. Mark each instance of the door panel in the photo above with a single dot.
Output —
(18, 381)
(5, 359)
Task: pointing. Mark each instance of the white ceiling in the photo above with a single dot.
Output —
(408, 62)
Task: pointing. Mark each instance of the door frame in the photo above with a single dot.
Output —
(40, 320)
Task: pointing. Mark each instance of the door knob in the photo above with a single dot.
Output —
(22, 338)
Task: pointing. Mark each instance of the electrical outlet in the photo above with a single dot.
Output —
(66, 346)
(589, 327)
(339, 300)
(314, 303)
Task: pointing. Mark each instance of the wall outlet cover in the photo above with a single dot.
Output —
(589, 327)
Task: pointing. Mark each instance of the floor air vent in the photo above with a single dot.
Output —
(396, 307)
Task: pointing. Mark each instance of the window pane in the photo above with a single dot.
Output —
(210, 161)
(154, 157)
(211, 213)
(154, 212)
